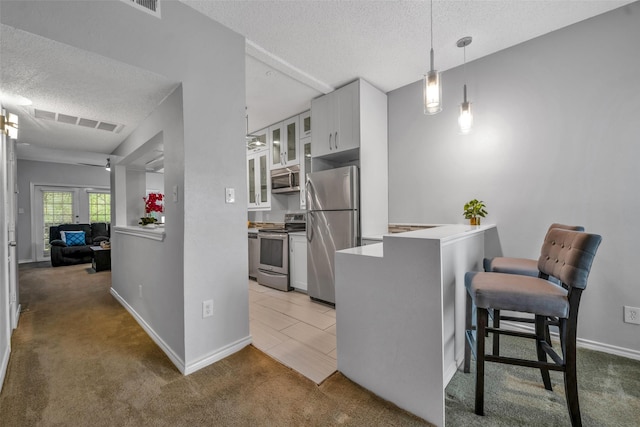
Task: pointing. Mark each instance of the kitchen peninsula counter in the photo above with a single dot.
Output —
(400, 308)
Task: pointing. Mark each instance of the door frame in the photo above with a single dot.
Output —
(81, 208)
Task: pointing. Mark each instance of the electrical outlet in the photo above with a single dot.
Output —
(632, 315)
(207, 308)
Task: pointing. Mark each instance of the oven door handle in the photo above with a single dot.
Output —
(273, 236)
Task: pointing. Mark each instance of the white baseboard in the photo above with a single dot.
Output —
(24, 261)
(218, 355)
(17, 316)
(4, 364)
(611, 349)
(175, 359)
(583, 343)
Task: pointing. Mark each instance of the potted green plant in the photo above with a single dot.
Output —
(474, 210)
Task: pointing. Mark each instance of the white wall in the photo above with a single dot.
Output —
(555, 140)
(208, 60)
(46, 173)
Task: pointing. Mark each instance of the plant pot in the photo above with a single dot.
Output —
(474, 221)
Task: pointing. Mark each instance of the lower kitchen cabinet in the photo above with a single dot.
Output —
(298, 261)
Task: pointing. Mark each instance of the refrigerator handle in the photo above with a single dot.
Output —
(310, 229)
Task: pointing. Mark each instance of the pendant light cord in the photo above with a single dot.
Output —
(431, 26)
(464, 70)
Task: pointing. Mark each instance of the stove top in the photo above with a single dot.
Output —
(292, 222)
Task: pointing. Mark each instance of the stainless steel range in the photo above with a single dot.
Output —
(273, 267)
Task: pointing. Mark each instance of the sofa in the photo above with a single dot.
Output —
(69, 248)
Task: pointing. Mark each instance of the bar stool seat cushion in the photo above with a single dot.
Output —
(522, 266)
(517, 293)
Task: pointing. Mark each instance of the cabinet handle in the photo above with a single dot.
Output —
(330, 135)
(335, 140)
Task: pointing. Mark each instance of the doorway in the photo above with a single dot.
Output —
(65, 205)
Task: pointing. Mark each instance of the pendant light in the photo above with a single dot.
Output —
(432, 85)
(465, 119)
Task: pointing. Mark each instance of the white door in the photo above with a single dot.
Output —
(12, 215)
(53, 206)
(5, 318)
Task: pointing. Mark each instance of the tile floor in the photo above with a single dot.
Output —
(294, 330)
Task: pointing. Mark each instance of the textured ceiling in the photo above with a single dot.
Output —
(384, 42)
(296, 50)
(63, 79)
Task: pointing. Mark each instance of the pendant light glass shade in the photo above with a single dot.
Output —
(432, 84)
(465, 119)
(432, 90)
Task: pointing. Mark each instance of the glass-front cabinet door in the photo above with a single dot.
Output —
(283, 140)
(276, 143)
(305, 168)
(292, 137)
(251, 181)
(305, 124)
(258, 182)
(257, 141)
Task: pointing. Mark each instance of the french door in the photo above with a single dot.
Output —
(66, 205)
(53, 206)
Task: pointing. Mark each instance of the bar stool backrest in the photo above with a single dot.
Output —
(567, 255)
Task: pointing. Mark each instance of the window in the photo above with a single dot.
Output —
(100, 207)
(57, 208)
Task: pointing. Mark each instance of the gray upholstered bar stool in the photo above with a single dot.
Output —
(524, 267)
(567, 256)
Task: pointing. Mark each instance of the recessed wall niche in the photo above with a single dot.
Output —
(143, 174)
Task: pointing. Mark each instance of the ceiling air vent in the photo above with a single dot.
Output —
(79, 121)
(149, 6)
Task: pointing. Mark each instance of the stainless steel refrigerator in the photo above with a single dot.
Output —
(333, 223)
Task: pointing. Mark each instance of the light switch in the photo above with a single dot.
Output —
(230, 195)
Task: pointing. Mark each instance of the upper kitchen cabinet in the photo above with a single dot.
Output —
(305, 124)
(257, 141)
(283, 140)
(350, 125)
(305, 168)
(258, 182)
(336, 119)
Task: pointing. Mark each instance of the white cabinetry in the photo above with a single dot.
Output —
(305, 124)
(283, 140)
(350, 126)
(257, 141)
(258, 180)
(335, 121)
(305, 168)
(298, 261)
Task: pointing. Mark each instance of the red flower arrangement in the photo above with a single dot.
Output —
(152, 203)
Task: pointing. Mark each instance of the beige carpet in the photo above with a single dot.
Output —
(78, 358)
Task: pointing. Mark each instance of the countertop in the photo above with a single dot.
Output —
(443, 233)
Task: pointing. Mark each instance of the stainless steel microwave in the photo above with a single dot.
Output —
(285, 180)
